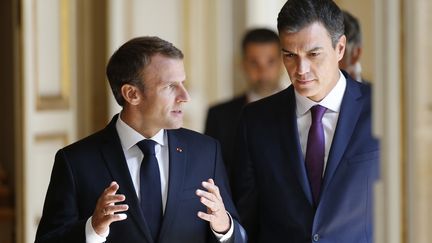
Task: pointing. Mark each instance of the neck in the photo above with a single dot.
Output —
(137, 123)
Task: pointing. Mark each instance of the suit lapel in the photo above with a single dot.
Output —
(177, 170)
(290, 137)
(344, 129)
(116, 163)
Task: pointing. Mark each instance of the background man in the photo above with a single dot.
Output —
(353, 49)
(262, 65)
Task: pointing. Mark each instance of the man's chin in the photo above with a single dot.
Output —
(175, 125)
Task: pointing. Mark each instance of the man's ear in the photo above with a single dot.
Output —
(340, 47)
(131, 94)
(355, 54)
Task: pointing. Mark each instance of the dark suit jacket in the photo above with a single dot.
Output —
(221, 124)
(84, 169)
(271, 186)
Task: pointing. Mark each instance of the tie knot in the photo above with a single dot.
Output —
(147, 146)
(317, 113)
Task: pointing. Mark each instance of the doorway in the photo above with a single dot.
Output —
(8, 123)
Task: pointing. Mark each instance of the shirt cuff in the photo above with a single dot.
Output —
(92, 236)
(227, 236)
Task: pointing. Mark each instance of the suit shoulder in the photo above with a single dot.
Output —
(272, 102)
(235, 104)
(364, 88)
(86, 144)
(193, 136)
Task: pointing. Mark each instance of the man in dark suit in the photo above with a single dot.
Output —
(137, 180)
(306, 158)
(262, 64)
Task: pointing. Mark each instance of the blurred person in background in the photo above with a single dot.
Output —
(262, 66)
(353, 49)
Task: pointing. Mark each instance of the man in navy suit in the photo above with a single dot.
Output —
(262, 66)
(142, 178)
(306, 158)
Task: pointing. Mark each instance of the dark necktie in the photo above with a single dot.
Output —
(315, 151)
(150, 187)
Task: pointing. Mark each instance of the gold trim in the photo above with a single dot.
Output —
(20, 115)
(186, 29)
(62, 136)
(128, 13)
(58, 101)
(186, 36)
(404, 197)
(211, 33)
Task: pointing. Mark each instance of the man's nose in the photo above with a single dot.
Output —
(183, 95)
(303, 66)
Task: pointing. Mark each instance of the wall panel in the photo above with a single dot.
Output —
(48, 102)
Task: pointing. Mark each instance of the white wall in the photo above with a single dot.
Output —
(263, 13)
(133, 18)
(418, 104)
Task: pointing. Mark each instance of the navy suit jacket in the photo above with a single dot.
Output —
(271, 187)
(221, 124)
(84, 169)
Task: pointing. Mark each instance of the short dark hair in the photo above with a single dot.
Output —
(128, 63)
(352, 29)
(298, 14)
(260, 36)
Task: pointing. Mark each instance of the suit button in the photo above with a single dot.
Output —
(316, 237)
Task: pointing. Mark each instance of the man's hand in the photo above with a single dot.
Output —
(105, 211)
(216, 214)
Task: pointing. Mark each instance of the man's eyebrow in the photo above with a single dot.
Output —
(315, 49)
(283, 50)
(318, 48)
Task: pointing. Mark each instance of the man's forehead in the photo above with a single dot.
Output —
(306, 45)
(311, 28)
(306, 39)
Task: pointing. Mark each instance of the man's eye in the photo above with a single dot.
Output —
(289, 55)
(314, 54)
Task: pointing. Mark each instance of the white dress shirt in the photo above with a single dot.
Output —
(333, 103)
(134, 156)
(128, 139)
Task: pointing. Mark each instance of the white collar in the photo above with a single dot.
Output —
(130, 137)
(332, 101)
